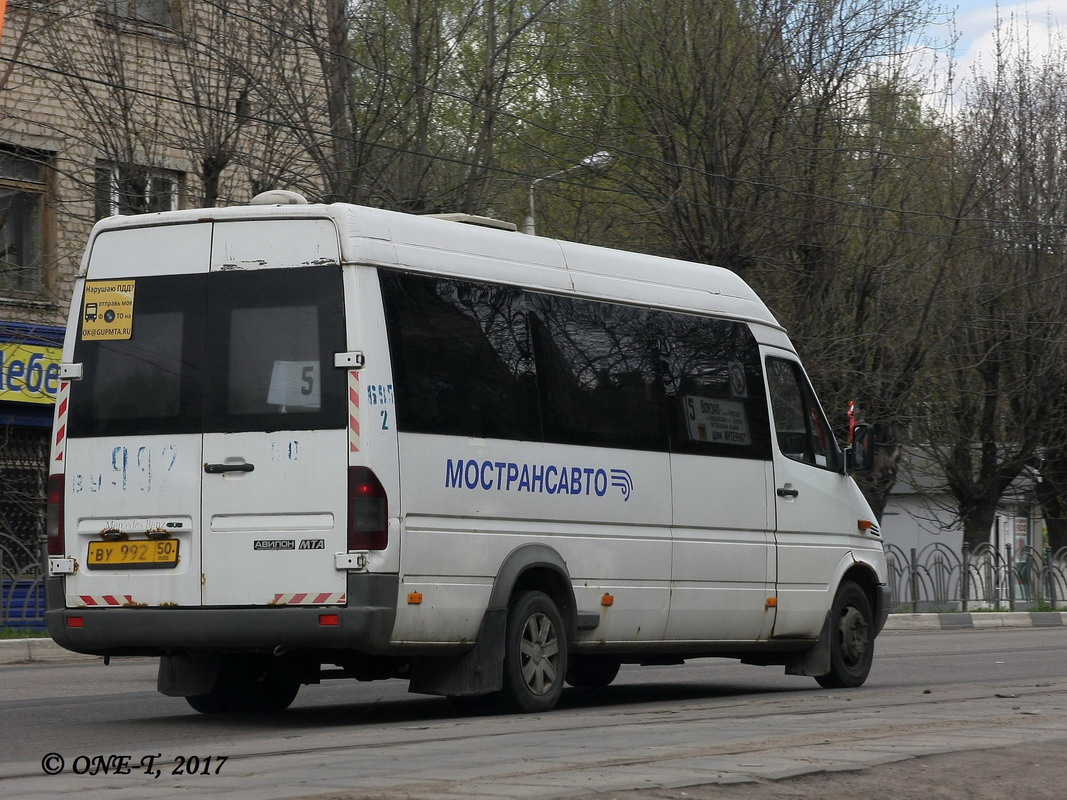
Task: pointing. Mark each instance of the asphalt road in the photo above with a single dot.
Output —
(711, 728)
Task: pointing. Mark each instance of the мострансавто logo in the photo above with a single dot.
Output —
(509, 476)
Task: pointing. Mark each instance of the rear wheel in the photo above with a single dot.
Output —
(592, 672)
(851, 639)
(535, 653)
(247, 686)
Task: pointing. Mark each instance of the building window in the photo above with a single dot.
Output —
(22, 202)
(134, 190)
(155, 12)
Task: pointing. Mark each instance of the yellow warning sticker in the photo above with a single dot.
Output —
(107, 312)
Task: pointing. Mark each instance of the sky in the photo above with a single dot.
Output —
(975, 21)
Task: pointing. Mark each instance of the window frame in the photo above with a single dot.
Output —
(42, 191)
(108, 195)
(113, 9)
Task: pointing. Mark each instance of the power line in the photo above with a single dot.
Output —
(314, 131)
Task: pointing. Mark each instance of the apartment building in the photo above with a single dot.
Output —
(118, 107)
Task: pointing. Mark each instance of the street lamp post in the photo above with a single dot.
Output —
(596, 161)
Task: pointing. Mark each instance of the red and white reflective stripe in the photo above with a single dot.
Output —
(105, 599)
(310, 599)
(353, 411)
(59, 440)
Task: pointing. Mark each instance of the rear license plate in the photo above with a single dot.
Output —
(133, 554)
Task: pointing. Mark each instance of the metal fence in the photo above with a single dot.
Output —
(934, 578)
(23, 472)
(937, 578)
(22, 603)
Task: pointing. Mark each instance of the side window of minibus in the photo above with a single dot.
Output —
(597, 373)
(461, 358)
(713, 382)
(800, 427)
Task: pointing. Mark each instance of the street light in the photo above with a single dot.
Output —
(596, 161)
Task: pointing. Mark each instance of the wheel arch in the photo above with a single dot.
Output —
(535, 567)
(480, 670)
(866, 577)
(816, 661)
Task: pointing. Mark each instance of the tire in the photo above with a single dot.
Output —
(247, 686)
(535, 654)
(851, 639)
(592, 672)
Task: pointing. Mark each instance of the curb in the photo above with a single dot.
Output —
(966, 620)
(38, 651)
(46, 651)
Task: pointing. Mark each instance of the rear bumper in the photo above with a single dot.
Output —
(364, 624)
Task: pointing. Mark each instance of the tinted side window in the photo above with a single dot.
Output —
(597, 372)
(497, 362)
(461, 358)
(714, 387)
(153, 381)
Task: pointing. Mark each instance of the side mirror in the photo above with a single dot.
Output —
(859, 457)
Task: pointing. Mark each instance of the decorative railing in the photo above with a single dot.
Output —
(22, 601)
(933, 578)
(937, 578)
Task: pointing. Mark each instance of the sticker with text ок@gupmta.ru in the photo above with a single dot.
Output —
(107, 310)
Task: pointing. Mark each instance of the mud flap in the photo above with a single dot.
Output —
(185, 676)
(478, 671)
(815, 661)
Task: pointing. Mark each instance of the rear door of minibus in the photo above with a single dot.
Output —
(206, 458)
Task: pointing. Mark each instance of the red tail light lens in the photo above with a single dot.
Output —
(368, 511)
(54, 519)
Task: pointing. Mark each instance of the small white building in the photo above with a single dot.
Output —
(920, 513)
(924, 545)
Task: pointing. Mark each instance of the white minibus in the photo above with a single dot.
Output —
(296, 442)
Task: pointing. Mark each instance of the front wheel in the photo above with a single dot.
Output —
(535, 653)
(851, 639)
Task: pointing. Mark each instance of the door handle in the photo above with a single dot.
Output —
(788, 491)
(215, 469)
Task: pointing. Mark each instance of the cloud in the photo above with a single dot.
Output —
(1037, 26)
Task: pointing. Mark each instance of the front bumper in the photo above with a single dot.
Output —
(882, 608)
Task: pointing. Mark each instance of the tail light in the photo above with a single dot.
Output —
(54, 519)
(368, 511)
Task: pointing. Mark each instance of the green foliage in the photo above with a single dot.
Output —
(916, 258)
(22, 633)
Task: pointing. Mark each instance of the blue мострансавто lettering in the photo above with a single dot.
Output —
(509, 476)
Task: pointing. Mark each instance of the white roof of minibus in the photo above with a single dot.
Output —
(424, 244)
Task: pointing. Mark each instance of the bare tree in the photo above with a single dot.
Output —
(994, 410)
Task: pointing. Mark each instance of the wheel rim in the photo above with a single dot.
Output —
(854, 642)
(539, 654)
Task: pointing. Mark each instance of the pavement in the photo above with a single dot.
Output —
(45, 651)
